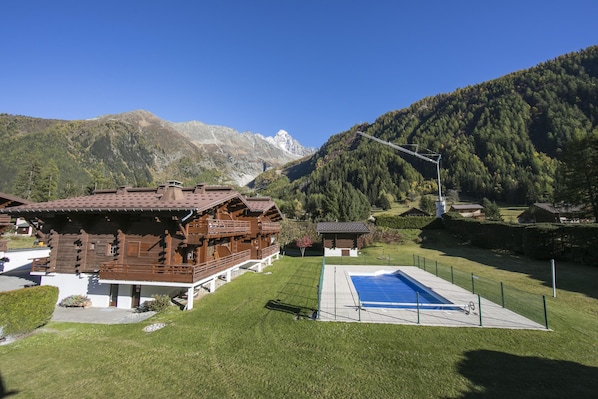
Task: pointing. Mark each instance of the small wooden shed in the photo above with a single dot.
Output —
(341, 238)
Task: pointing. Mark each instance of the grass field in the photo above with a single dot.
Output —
(243, 341)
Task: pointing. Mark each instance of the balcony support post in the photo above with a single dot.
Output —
(190, 292)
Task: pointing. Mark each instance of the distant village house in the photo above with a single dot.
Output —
(474, 211)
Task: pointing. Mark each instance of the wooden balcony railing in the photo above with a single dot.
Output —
(220, 227)
(271, 250)
(41, 265)
(181, 273)
(270, 227)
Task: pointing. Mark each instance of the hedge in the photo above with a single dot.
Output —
(24, 310)
(574, 242)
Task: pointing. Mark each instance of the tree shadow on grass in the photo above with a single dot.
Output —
(502, 375)
(570, 276)
(299, 295)
(4, 392)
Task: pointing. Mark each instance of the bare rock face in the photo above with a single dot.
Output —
(244, 155)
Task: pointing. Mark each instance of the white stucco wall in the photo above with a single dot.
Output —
(22, 257)
(339, 251)
(68, 284)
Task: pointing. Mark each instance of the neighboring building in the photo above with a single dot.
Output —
(545, 212)
(7, 201)
(475, 211)
(341, 238)
(121, 246)
(414, 212)
(23, 228)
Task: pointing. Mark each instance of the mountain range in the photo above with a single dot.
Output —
(135, 148)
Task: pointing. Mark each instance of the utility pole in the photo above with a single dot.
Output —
(429, 157)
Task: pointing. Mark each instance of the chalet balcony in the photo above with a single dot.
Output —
(41, 265)
(182, 273)
(270, 227)
(220, 227)
(271, 250)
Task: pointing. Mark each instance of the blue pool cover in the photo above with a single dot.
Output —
(395, 290)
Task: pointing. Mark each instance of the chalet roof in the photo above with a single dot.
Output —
(7, 200)
(127, 199)
(414, 212)
(548, 207)
(342, 227)
(464, 207)
(264, 205)
(259, 204)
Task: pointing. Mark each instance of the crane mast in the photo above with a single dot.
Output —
(432, 157)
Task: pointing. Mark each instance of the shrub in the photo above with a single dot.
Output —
(24, 310)
(157, 304)
(80, 301)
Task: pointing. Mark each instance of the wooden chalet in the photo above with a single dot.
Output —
(474, 211)
(411, 212)
(341, 238)
(121, 246)
(7, 201)
(545, 212)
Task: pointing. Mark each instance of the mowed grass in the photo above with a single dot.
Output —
(244, 341)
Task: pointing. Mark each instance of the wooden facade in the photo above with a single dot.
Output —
(166, 235)
(341, 238)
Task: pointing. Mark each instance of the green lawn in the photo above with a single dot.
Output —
(243, 341)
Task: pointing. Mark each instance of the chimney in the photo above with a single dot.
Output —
(173, 191)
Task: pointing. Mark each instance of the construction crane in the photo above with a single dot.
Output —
(429, 157)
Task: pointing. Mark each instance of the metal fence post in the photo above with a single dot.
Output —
(334, 292)
(417, 301)
(452, 276)
(359, 306)
(480, 308)
(424, 264)
(502, 294)
(545, 311)
(472, 285)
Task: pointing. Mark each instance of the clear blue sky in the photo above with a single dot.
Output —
(312, 67)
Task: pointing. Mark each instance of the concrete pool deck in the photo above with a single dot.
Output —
(339, 302)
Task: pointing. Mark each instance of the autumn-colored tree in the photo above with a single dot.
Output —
(302, 243)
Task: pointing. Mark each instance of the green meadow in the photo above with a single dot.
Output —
(245, 341)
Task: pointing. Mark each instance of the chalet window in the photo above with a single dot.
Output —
(133, 248)
(190, 254)
(110, 249)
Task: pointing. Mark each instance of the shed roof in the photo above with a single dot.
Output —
(342, 227)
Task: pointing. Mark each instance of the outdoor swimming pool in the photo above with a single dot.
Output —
(396, 290)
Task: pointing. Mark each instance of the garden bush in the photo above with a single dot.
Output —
(24, 310)
(80, 301)
(157, 304)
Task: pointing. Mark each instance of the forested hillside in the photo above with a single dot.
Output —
(499, 140)
(44, 159)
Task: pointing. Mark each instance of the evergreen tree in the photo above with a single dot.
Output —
(491, 210)
(577, 173)
(28, 181)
